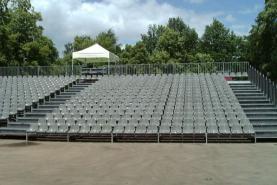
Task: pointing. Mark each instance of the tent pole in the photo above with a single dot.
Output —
(72, 59)
(109, 66)
(72, 67)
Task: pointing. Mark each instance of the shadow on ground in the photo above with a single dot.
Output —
(19, 144)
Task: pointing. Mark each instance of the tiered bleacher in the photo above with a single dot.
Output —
(19, 92)
(179, 107)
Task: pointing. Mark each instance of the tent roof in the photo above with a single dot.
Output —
(95, 51)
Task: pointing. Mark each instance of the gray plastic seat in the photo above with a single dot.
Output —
(96, 129)
(177, 122)
(106, 129)
(188, 121)
(85, 129)
(164, 129)
(188, 128)
(212, 129)
(248, 129)
(144, 121)
(42, 128)
(224, 129)
(129, 129)
(63, 128)
(119, 129)
(199, 129)
(53, 128)
(140, 129)
(166, 121)
(74, 129)
(236, 129)
(33, 127)
(176, 129)
(152, 129)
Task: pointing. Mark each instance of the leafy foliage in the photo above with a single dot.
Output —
(22, 41)
(263, 40)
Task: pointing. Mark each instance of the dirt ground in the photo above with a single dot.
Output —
(56, 163)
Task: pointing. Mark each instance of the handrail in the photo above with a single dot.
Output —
(227, 68)
(40, 70)
(267, 86)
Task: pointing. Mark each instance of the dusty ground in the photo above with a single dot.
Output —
(57, 163)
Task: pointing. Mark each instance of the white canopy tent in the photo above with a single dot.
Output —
(92, 52)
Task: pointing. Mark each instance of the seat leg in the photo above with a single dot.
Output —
(26, 138)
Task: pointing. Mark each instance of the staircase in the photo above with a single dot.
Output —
(19, 127)
(261, 112)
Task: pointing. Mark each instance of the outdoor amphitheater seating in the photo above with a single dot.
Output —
(17, 92)
(151, 104)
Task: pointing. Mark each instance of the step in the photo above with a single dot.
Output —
(244, 88)
(260, 109)
(58, 99)
(251, 98)
(254, 101)
(249, 94)
(42, 110)
(63, 96)
(261, 114)
(263, 119)
(28, 119)
(69, 93)
(264, 123)
(54, 103)
(266, 135)
(11, 131)
(242, 85)
(81, 85)
(267, 105)
(73, 90)
(18, 125)
(48, 106)
(34, 114)
(246, 91)
(265, 128)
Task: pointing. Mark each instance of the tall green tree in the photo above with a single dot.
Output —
(109, 41)
(136, 54)
(22, 40)
(263, 40)
(216, 42)
(150, 39)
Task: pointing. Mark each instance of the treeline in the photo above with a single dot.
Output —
(22, 41)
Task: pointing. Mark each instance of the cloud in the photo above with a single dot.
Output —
(195, 1)
(230, 18)
(62, 20)
(254, 9)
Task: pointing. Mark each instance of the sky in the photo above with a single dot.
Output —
(64, 19)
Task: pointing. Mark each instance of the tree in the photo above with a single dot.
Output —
(136, 54)
(189, 35)
(109, 41)
(22, 41)
(263, 40)
(216, 42)
(150, 39)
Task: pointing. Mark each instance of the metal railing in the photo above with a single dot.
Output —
(227, 68)
(268, 87)
(40, 70)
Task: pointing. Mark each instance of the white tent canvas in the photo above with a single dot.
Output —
(95, 51)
